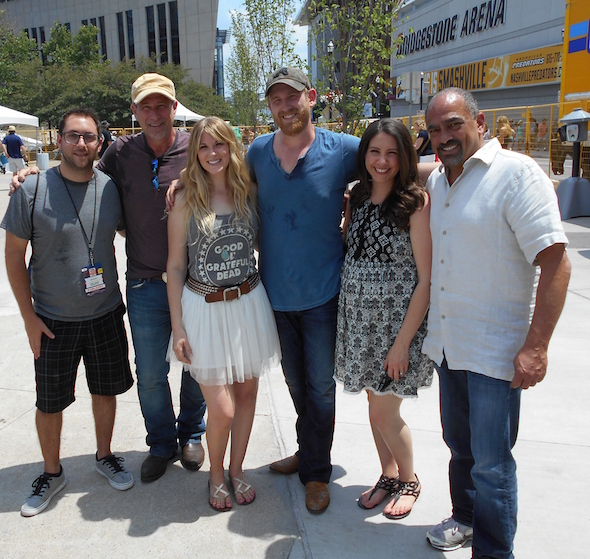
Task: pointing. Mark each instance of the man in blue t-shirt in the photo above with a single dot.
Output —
(302, 173)
(14, 149)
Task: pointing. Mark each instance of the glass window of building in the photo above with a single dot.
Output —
(163, 33)
(151, 30)
(103, 37)
(174, 35)
(121, 30)
(130, 40)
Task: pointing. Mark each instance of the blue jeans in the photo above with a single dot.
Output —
(308, 340)
(480, 417)
(149, 316)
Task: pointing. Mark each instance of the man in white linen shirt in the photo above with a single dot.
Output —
(494, 223)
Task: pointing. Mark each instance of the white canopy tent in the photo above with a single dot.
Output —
(182, 113)
(10, 116)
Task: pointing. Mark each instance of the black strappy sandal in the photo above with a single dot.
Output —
(391, 485)
(406, 488)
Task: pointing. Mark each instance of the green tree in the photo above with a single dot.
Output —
(359, 68)
(262, 37)
(15, 49)
(63, 49)
(241, 74)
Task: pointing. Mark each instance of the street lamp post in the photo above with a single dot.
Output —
(330, 48)
(377, 97)
(421, 88)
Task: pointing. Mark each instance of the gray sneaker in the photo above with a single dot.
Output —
(449, 535)
(44, 488)
(112, 468)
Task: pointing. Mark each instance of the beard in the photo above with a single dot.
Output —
(296, 125)
(76, 163)
(450, 160)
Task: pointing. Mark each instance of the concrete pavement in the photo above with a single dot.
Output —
(171, 517)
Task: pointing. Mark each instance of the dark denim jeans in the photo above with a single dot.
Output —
(149, 316)
(308, 340)
(480, 417)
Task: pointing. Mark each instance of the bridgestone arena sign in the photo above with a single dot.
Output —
(486, 15)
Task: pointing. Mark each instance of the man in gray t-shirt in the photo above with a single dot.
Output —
(69, 297)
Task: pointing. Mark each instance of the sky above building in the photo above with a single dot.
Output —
(224, 22)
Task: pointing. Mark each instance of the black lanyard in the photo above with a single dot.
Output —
(88, 241)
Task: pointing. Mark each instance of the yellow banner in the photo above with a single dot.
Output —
(533, 67)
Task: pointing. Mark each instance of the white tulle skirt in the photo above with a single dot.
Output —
(231, 341)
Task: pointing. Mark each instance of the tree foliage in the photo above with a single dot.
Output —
(359, 68)
(15, 49)
(63, 49)
(71, 74)
(262, 37)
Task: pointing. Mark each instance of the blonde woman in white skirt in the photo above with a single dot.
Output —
(223, 328)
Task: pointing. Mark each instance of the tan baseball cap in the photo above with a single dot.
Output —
(11, 129)
(293, 77)
(150, 84)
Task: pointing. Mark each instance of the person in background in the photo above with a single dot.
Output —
(505, 133)
(543, 135)
(14, 149)
(422, 145)
(520, 136)
(107, 139)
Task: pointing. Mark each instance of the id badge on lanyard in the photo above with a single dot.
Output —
(93, 278)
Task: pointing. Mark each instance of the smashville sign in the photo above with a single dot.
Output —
(532, 67)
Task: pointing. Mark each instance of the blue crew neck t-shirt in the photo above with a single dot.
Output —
(300, 242)
(13, 144)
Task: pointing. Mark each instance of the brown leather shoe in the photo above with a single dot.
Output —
(286, 466)
(193, 456)
(317, 496)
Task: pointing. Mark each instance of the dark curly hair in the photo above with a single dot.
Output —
(407, 194)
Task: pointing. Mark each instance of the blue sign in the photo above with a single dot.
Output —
(579, 33)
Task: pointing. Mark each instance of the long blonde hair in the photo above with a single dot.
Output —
(197, 182)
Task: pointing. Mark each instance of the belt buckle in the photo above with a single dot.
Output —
(234, 288)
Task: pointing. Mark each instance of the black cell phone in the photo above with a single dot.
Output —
(384, 381)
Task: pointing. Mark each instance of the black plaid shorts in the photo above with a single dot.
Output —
(101, 342)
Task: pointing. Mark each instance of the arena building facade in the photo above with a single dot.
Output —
(506, 52)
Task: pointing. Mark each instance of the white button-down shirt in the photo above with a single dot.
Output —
(487, 230)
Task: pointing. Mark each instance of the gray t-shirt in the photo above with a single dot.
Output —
(60, 250)
(226, 258)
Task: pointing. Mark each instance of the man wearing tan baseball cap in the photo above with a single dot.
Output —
(143, 166)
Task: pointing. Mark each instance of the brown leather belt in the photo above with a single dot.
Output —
(216, 294)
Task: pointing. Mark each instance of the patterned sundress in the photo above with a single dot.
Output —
(378, 279)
